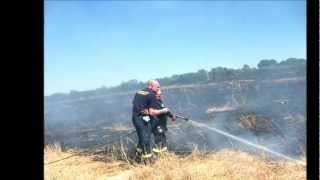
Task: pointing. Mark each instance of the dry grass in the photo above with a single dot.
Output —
(78, 167)
(224, 108)
(219, 165)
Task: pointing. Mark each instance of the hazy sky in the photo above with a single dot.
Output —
(89, 44)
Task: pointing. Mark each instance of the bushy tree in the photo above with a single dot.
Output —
(200, 76)
(267, 63)
(267, 68)
(293, 62)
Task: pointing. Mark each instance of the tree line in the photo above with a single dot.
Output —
(266, 69)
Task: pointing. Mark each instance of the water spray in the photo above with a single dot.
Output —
(247, 142)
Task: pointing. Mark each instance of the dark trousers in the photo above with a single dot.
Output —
(160, 138)
(143, 129)
(159, 126)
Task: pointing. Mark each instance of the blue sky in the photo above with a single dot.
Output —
(90, 44)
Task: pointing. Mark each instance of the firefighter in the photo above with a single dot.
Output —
(144, 108)
(159, 127)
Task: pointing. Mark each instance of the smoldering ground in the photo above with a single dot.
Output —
(271, 114)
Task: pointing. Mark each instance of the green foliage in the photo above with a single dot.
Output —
(293, 62)
(267, 63)
(267, 68)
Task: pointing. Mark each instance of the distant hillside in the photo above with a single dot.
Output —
(265, 104)
(267, 69)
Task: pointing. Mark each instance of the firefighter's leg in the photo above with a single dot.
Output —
(157, 141)
(146, 144)
(163, 142)
(163, 139)
(138, 124)
(155, 124)
(160, 141)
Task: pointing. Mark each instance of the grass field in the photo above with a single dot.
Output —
(225, 164)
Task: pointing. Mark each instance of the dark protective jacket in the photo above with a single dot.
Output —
(144, 99)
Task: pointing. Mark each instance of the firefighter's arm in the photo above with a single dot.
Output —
(156, 112)
(172, 116)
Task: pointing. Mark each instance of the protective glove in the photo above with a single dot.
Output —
(174, 118)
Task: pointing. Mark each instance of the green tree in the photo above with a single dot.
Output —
(201, 76)
(265, 63)
(293, 62)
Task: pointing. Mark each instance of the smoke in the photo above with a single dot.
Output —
(278, 110)
(268, 113)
